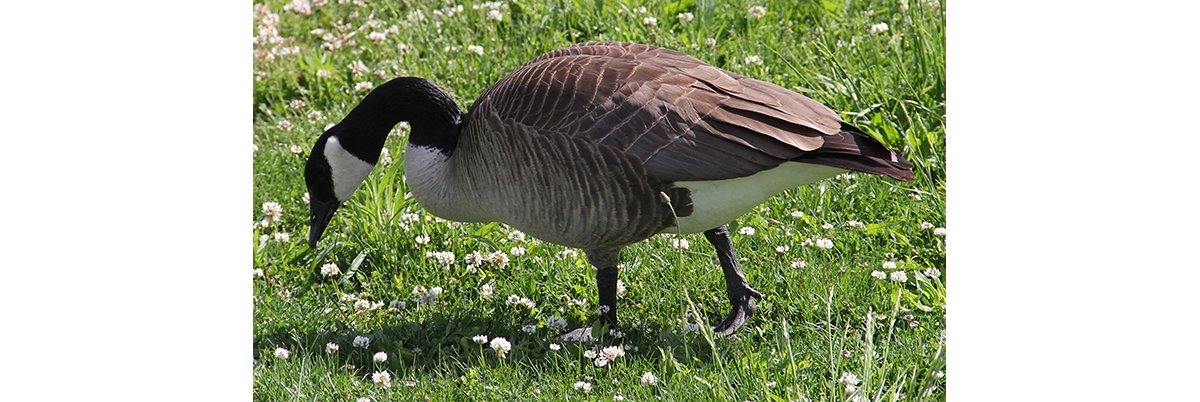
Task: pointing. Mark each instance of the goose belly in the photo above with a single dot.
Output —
(718, 202)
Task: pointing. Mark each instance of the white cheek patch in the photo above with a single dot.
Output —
(348, 171)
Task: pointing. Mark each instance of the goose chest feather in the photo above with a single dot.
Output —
(598, 146)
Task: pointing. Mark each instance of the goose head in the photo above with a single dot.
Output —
(346, 153)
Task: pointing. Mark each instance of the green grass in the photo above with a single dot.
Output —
(814, 324)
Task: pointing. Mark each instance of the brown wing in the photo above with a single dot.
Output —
(683, 119)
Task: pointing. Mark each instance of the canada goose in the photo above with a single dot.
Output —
(598, 146)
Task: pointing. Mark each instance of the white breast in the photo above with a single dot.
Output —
(430, 177)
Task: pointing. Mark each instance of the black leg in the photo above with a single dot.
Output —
(605, 262)
(741, 295)
(606, 281)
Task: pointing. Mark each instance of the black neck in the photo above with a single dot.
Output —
(433, 116)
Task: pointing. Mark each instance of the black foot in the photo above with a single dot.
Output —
(739, 311)
(741, 295)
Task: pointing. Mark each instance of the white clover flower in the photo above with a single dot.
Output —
(932, 272)
(487, 289)
(282, 237)
(363, 399)
(806, 242)
(421, 239)
(746, 230)
(754, 60)
(398, 304)
(583, 386)
(513, 299)
(686, 17)
(296, 104)
(926, 225)
(331, 347)
(939, 232)
(385, 157)
(281, 353)
(782, 249)
(681, 243)
(363, 86)
(612, 352)
(591, 354)
(555, 346)
(710, 42)
(286, 125)
(473, 259)
(556, 323)
(568, 253)
(258, 273)
(361, 342)
(330, 269)
(501, 345)
(756, 12)
(899, 276)
(879, 274)
(649, 378)
(377, 37)
(620, 287)
(475, 49)
(825, 243)
(517, 251)
(444, 258)
(639, 10)
(272, 210)
(799, 263)
(650, 21)
(495, 15)
(517, 235)
(797, 214)
(427, 297)
(879, 28)
(889, 265)
(380, 357)
(529, 329)
(362, 305)
(383, 378)
(855, 224)
(498, 258)
(357, 68)
(826, 225)
(323, 73)
(600, 361)
(480, 339)
(850, 380)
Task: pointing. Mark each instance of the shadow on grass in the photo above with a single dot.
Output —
(443, 344)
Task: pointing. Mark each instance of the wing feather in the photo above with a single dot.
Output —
(680, 118)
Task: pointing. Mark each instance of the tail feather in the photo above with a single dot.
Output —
(855, 150)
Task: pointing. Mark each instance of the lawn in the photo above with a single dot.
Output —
(392, 303)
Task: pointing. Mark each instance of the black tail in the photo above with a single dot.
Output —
(858, 151)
